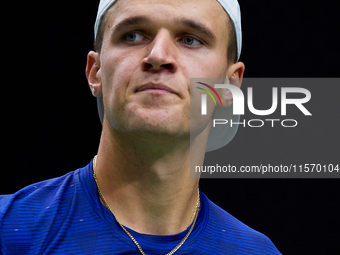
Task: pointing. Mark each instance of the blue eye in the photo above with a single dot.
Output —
(191, 41)
(133, 37)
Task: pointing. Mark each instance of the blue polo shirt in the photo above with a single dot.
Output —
(65, 216)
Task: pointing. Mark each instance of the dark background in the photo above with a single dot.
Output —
(50, 123)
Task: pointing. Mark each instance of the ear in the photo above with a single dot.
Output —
(234, 77)
(93, 73)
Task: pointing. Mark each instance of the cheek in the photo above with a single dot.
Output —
(118, 69)
(117, 73)
(212, 67)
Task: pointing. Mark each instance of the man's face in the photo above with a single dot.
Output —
(150, 50)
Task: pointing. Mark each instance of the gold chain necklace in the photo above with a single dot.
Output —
(102, 198)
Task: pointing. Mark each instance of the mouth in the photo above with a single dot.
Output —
(155, 88)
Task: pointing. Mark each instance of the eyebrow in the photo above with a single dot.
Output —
(128, 22)
(142, 20)
(197, 26)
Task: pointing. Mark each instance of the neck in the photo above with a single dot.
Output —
(147, 187)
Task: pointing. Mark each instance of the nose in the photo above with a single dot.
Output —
(161, 54)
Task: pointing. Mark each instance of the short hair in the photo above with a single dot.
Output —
(231, 48)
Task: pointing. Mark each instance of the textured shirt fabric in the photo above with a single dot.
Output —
(65, 216)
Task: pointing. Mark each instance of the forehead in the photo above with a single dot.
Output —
(163, 12)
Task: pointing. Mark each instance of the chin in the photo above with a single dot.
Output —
(160, 122)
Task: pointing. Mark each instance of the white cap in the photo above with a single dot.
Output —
(218, 137)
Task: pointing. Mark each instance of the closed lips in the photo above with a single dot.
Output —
(152, 86)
